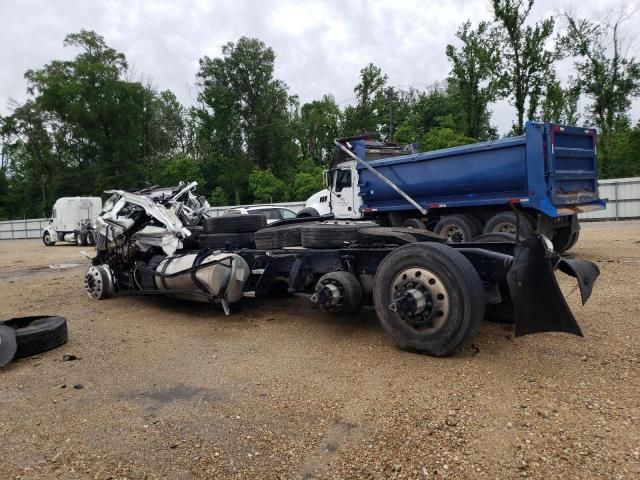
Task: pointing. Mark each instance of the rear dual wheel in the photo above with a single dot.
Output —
(459, 228)
(428, 297)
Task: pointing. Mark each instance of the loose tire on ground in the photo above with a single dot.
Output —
(564, 240)
(347, 287)
(278, 237)
(414, 223)
(37, 334)
(506, 222)
(227, 240)
(457, 228)
(452, 286)
(307, 212)
(331, 234)
(234, 224)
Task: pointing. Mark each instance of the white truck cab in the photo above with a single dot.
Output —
(73, 220)
(340, 196)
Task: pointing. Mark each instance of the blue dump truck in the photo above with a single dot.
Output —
(549, 174)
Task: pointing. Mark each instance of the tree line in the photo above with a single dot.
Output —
(88, 126)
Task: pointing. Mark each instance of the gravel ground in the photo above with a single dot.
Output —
(173, 389)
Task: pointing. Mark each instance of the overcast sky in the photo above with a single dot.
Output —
(321, 45)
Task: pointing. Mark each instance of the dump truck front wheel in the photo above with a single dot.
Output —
(428, 297)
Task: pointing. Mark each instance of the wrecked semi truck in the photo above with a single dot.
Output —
(430, 295)
(550, 172)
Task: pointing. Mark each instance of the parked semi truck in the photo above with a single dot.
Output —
(72, 220)
(549, 173)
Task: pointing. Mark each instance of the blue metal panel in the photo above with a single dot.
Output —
(550, 166)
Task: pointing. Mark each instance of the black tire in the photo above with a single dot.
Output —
(495, 237)
(307, 212)
(80, 240)
(564, 240)
(333, 234)
(479, 224)
(38, 334)
(349, 288)
(90, 238)
(441, 267)
(232, 241)
(278, 237)
(506, 222)
(46, 239)
(414, 223)
(457, 228)
(234, 224)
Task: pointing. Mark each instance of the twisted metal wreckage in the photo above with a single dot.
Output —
(429, 295)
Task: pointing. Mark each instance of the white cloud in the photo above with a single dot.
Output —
(320, 45)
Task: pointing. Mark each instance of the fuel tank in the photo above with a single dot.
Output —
(221, 274)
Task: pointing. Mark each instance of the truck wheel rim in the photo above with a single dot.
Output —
(420, 300)
(453, 233)
(505, 228)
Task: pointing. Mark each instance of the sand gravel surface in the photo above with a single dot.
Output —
(172, 389)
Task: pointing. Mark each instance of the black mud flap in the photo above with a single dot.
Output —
(584, 271)
(538, 303)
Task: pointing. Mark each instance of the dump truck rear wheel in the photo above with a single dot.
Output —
(428, 297)
(338, 292)
(457, 228)
(564, 240)
(506, 222)
(414, 223)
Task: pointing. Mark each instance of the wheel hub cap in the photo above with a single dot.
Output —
(420, 299)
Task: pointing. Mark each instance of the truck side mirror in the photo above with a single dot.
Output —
(325, 178)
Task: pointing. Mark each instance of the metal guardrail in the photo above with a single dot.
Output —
(623, 200)
(22, 229)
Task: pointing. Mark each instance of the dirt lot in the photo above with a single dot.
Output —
(280, 390)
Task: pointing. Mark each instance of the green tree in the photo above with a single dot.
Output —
(179, 167)
(560, 105)
(218, 197)
(527, 61)
(266, 187)
(246, 115)
(320, 122)
(365, 116)
(473, 76)
(608, 76)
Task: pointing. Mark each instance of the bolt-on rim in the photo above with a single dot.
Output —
(505, 227)
(334, 294)
(420, 300)
(453, 233)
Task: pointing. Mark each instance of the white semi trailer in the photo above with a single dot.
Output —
(73, 220)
